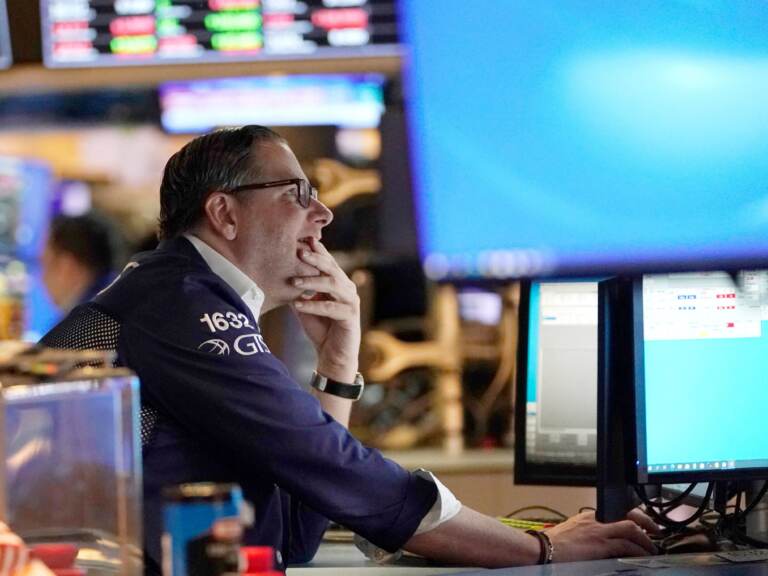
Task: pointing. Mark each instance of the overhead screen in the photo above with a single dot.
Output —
(124, 32)
(5, 37)
(577, 136)
(348, 100)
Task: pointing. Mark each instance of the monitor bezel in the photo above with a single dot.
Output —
(638, 383)
(526, 472)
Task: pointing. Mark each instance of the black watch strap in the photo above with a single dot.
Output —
(341, 389)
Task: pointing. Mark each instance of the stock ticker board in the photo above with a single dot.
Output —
(85, 33)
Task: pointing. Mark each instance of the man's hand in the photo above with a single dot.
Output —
(331, 317)
(584, 538)
(473, 539)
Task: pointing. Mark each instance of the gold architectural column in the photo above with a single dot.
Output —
(441, 353)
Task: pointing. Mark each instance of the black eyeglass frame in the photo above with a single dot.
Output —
(305, 192)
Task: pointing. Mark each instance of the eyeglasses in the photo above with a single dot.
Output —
(305, 192)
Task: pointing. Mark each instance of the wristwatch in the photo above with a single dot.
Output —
(341, 389)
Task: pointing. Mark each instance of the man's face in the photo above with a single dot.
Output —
(56, 267)
(273, 227)
(48, 264)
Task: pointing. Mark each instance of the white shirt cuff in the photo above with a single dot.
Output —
(446, 505)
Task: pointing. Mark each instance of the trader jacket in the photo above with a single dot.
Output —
(218, 406)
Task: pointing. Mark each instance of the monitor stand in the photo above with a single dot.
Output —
(757, 521)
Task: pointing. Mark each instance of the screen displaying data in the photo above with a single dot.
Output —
(346, 100)
(124, 32)
(5, 37)
(561, 373)
(587, 136)
(702, 385)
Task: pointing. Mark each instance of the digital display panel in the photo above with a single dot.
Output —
(347, 100)
(562, 372)
(5, 38)
(587, 136)
(138, 32)
(700, 367)
(556, 407)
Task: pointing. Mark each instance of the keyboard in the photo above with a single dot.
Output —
(752, 555)
(521, 524)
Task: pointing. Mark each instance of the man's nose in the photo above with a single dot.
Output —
(320, 214)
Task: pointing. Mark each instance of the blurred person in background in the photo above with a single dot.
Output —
(80, 258)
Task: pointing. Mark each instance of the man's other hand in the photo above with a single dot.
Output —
(584, 538)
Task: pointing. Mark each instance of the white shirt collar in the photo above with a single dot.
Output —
(246, 288)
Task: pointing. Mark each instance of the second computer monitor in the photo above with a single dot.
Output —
(682, 382)
(556, 401)
(701, 376)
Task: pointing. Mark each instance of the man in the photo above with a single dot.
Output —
(79, 258)
(241, 234)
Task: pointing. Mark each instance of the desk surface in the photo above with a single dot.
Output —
(346, 560)
(616, 568)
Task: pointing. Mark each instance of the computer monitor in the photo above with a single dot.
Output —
(556, 399)
(700, 366)
(90, 33)
(682, 390)
(5, 38)
(581, 137)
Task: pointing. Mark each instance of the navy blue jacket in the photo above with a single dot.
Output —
(224, 409)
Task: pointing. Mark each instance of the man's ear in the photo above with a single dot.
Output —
(219, 210)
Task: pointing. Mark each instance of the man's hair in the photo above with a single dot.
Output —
(215, 161)
(91, 238)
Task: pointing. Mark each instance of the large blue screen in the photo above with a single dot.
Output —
(587, 135)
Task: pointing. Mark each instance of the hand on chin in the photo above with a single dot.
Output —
(304, 269)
